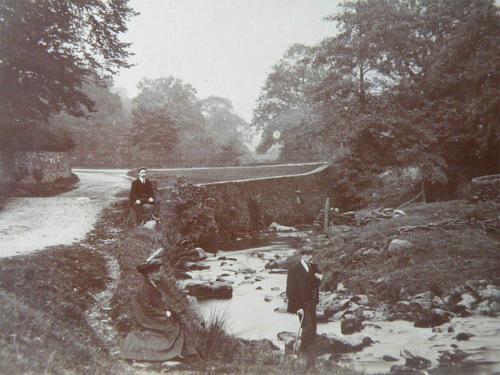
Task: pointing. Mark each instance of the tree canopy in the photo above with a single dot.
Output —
(49, 49)
(403, 82)
(172, 124)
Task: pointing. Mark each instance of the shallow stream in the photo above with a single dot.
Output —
(251, 314)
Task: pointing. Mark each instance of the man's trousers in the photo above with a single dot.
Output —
(308, 336)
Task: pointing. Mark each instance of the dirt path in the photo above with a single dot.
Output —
(29, 224)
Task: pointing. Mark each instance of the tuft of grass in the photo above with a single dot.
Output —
(215, 341)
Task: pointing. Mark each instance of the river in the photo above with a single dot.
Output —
(251, 314)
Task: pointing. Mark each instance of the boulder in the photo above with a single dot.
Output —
(491, 293)
(495, 307)
(360, 299)
(402, 307)
(227, 259)
(341, 288)
(277, 264)
(422, 302)
(415, 361)
(210, 290)
(464, 336)
(434, 318)
(275, 227)
(199, 254)
(192, 266)
(350, 326)
(389, 358)
(247, 270)
(268, 299)
(369, 252)
(451, 357)
(437, 302)
(484, 308)
(467, 301)
(399, 246)
(287, 336)
(326, 344)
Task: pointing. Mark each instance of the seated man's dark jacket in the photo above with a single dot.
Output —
(141, 191)
(302, 288)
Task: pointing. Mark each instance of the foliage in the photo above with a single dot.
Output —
(49, 49)
(402, 83)
(170, 120)
(104, 130)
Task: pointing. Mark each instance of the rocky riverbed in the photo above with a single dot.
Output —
(458, 331)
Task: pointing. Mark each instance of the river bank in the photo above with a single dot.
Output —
(257, 310)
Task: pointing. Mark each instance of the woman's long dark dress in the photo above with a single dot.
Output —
(156, 337)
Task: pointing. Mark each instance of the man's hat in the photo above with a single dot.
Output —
(305, 251)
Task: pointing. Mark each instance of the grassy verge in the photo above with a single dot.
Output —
(43, 300)
(440, 258)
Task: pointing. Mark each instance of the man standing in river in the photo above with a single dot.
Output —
(302, 290)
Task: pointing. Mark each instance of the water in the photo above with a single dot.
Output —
(250, 316)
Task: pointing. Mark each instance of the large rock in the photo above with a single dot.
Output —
(350, 326)
(275, 227)
(210, 290)
(415, 361)
(491, 293)
(399, 246)
(198, 254)
(467, 301)
(434, 318)
(326, 344)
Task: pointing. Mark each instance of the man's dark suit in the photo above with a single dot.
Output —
(142, 192)
(302, 290)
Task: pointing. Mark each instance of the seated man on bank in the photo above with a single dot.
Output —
(142, 192)
(159, 333)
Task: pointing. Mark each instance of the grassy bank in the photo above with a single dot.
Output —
(441, 257)
(43, 300)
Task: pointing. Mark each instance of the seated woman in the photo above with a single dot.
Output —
(158, 335)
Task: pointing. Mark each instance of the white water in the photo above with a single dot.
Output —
(251, 317)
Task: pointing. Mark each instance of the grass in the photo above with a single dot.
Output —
(207, 175)
(439, 260)
(43, 298)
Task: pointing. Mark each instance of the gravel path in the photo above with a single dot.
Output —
(29, 224)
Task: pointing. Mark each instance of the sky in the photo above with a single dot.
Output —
(221, 47)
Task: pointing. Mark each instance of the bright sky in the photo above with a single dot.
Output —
(221, 47)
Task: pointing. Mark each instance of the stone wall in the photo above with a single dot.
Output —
(30, 168)
(246, 205)
(486, 187)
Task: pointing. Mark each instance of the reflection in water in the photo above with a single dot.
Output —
(251, 317)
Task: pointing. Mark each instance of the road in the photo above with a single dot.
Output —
(30, 224)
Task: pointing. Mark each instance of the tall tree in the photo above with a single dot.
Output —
(49, 49)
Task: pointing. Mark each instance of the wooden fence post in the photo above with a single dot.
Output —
(327, 211)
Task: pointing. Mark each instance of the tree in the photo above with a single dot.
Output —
(49, 49)
(285, 105)
(226, 128)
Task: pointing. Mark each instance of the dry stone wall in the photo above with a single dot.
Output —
(247, 205)
(40, 167)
